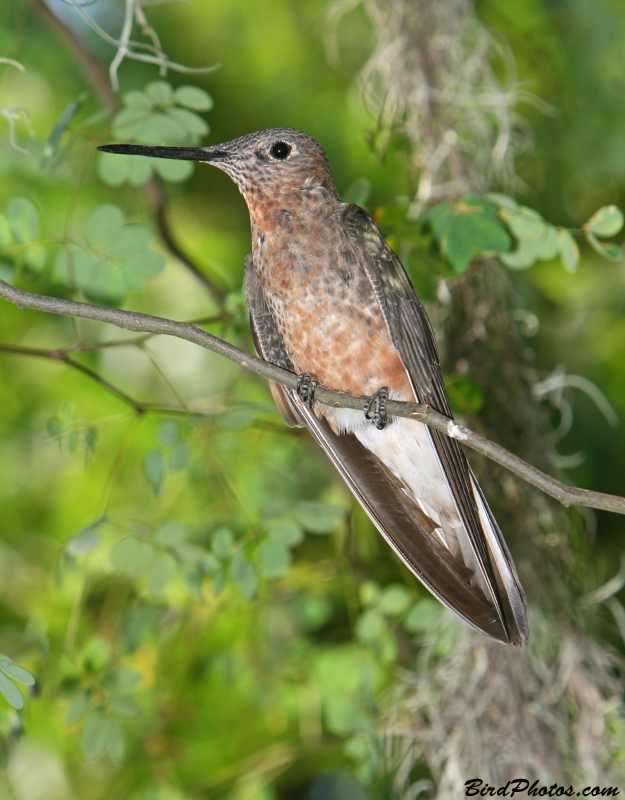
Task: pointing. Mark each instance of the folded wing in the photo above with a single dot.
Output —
(402, 522)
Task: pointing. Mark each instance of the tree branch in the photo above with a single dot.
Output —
(145, 323)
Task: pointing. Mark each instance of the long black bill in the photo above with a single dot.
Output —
(179, 153)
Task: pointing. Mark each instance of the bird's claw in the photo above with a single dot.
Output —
(306, 386)
(375, 409)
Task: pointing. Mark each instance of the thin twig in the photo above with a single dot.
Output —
(145, 323)
(61, 355)
(124, 46)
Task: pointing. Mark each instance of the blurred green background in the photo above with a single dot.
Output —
(207, 612)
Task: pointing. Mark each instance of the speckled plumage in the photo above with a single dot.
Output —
(328, 297)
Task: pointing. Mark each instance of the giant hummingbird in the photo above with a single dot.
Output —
(330, 301)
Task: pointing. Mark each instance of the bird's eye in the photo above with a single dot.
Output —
(280, 150)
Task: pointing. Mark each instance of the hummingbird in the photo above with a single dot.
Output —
(330, 301)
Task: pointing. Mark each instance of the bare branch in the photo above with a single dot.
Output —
(13, 63)
(11, 115)
(124, 46)
(145, 323)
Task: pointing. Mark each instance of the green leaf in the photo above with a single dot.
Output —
(154, 469)
(116, 743)
(160, 92)
(547, 246)
(79, 706)
(5, 232)
(568, 250)
(122, 679)
(180, 457)
(387, 649)
(313, 611)
(610, 250)
(5, 661)
(96, 655)
(169, 433)
(127, 555)
(318, 518)
(86, 540)
(130, 242)
(606, 222)
(471, 234)
(139, 170)
(190, 121)
(112, 169)
(274, 559)
(171, 533)
(95, 735)
(10, 692)
(19, 674)
(502, 200)
(525, 256)
(194, 97)
(161, 572)
(208, 563)
(358, 748)
(163, 128)
(173, 171)
(524, 222)
(219, 580)
(240, 417)
(222, 541)
(53, 426)
(35, 258)
(131, 556)
(68, 114)
(109, 273)
(104, 224)
(476, 203)
(394, 600)
(7, 274)
(464, 230)
(537, 239)
(370, 626)
(342, 713)
(124, 707)
(244, 575)
(286, 532)
(422, 615)
(138, 100)
(465, 395)
(23, 217)
(130, 122)
(358, 193)
(369, 593)
(195, 556)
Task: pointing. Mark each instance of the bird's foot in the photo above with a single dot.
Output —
(375, 409)
(306, 386)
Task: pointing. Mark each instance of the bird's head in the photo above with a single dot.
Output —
(270, 167)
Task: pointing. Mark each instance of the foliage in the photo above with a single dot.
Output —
(489, 225)
(204, 609)
(157, 114)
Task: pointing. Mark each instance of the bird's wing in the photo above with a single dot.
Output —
(404, 525)
(412, 335)
(267, 342)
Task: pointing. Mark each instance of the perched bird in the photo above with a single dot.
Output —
(330, 301)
